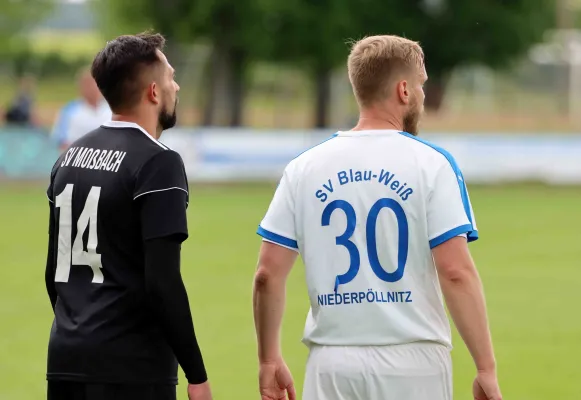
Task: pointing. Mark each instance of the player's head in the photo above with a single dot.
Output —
(87, 87)
(133, 74)
(387, 74)
(27, 84)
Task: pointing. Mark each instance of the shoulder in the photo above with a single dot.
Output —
(57, 165)
(164, 160)
(168, 155)
(430, 152)
(310, 153)
(70, 107)
(163, 171)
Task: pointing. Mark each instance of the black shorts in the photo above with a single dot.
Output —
(66, 390)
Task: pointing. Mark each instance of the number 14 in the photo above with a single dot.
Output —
(67, 256)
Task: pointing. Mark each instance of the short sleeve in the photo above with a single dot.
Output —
(49, 196)
(449, 210)
(161, 193)
(49, 192)
(278, 225)
(50, 189)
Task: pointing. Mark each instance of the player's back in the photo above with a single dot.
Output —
(103, 330)
(368, 210)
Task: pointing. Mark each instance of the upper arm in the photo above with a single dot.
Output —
(453, 259)
(275, 261)
(161, 192)
(278, 225)
(449, 211)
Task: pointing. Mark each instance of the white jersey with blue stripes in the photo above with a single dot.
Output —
(364, 209)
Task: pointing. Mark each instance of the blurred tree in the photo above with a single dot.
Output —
(239, 35)
(451, 32)
(233, 27)
(311, 35)
(17, 17)
(458, 32)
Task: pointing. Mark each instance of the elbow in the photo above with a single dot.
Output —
(457, 273)
(263, 279)
(158, 289)
(274, 265)
(152, 292)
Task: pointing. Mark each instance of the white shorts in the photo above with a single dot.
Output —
(418, 371)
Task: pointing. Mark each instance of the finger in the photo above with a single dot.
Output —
(292, 394)
(493, 396)
(492, 392)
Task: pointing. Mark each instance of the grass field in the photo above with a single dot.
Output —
(529, 257)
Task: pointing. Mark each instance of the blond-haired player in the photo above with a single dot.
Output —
(382, 220)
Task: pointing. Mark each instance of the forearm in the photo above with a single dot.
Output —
(170, 306)
(269, 301)
(465, 300)
(50, 285)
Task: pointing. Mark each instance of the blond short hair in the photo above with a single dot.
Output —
(375, 60)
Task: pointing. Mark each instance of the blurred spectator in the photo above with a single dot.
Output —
(82, 115)
(20, 111)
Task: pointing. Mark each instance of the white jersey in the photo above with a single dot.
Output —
(78, 118)
(364, 209)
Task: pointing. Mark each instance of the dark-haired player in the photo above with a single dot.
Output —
(118, 200)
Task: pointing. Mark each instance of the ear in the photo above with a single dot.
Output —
(153, 93)
(403, 92)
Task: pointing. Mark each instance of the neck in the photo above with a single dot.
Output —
(149, 125)
(371, 120)
(92, 103)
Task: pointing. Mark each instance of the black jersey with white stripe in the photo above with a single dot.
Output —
(112, 190)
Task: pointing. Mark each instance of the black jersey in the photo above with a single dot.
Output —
(103, 329)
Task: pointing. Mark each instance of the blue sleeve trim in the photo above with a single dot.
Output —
(62, 126)
(473, 234)
(273, 237)
(451, 234)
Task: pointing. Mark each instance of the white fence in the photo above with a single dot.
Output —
(224, 155)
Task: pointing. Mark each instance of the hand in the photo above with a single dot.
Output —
(276, 381)
(199, 392)
(485, 387)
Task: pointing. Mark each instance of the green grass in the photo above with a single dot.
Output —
(528, 256)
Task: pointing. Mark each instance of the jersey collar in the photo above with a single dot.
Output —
(125, 124)
(369, 132)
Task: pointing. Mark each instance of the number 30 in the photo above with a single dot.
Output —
(344, 239)
(67, 256)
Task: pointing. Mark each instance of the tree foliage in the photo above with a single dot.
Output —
(314, 35)
(16, 18)
(234, 28)
(458, 32)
